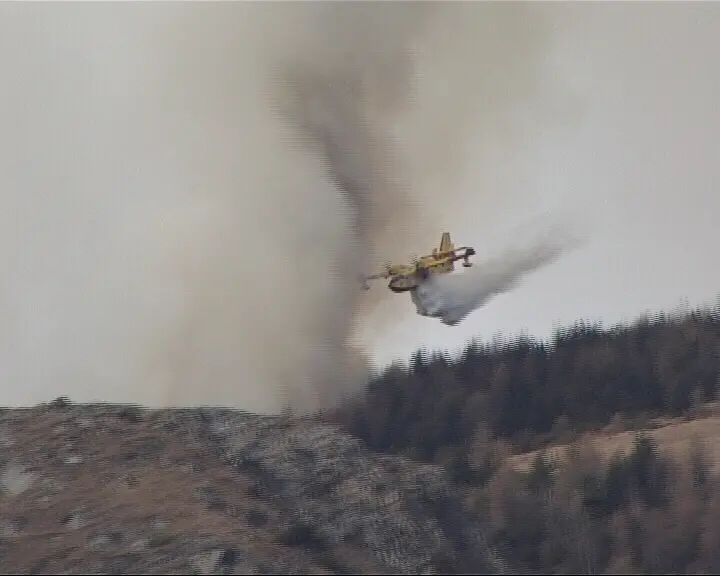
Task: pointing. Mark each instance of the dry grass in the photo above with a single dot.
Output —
(113, 495)
(673, 436)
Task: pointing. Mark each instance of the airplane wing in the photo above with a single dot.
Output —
(363, 279)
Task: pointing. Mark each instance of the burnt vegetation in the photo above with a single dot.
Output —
(639, 511)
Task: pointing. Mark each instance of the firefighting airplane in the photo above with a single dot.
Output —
(405, 277)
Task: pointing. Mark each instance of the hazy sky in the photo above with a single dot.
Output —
(127, 134)
(637, 165)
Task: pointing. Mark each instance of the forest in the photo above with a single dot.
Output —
(641, 511)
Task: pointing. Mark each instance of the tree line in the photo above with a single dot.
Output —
(530, 391)
(635, 512)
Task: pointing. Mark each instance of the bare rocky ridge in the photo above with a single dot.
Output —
(116, 489)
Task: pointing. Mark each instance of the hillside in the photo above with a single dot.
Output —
(119, 490)
(595, 453)
(532, 393)
(673, 436)
(592, 453)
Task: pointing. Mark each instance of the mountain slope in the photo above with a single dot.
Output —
(117, 489)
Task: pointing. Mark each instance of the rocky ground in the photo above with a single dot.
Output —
(108, 489)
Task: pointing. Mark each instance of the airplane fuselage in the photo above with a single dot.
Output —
(408, 277)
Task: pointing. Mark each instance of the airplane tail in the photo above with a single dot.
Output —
(446, 246)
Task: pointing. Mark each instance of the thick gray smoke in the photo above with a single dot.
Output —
(190, 189)
(452, 297)
(341, 91)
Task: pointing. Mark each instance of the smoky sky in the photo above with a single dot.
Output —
(632, 155)
(190, 189)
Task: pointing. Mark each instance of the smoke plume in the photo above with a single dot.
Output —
(190, 189)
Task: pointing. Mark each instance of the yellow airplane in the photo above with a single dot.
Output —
(404, 277)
